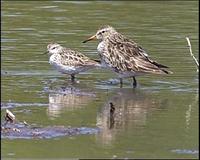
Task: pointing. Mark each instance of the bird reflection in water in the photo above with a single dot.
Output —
(67, 99)
(112, 119)
(126, 109)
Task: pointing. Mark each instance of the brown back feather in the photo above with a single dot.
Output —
(124, 54)
(76, 58)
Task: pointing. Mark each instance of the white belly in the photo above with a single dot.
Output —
(101, 50)
(100, 47)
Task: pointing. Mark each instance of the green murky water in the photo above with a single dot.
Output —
(159, 119)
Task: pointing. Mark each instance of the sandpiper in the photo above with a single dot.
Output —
(68, 61)
(124, 56)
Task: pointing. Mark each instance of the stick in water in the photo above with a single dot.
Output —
(190, 48)
(9, 116)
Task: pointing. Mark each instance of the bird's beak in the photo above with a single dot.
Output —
(45, 52)
(91, 38)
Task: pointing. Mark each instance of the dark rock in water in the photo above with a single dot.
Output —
(23, 131)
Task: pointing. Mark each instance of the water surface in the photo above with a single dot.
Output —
(159, 119)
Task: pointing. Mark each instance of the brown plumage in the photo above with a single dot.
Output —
(68, 61)
(124, 56)
(75, 58)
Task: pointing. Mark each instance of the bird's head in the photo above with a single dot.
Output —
(54, 48)
(102, 33)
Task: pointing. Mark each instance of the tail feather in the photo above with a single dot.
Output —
(167, 72)
(159, 65)
(97, 60)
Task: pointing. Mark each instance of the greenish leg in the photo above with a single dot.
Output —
(134, 82)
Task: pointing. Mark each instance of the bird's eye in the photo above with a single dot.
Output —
(103, 31)
(54, 48)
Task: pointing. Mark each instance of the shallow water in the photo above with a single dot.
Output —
(158, 119)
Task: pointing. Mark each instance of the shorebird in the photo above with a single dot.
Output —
(68, 61)
(124, 56)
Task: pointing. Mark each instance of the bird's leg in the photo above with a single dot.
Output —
(134, 82)
(121, 82)
(72, 77)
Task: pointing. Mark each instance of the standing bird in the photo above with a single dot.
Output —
(124, 56)
(68, 61)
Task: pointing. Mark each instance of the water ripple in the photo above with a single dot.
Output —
(185, 151)
(13, 105)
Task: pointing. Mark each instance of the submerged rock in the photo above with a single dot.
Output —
(21, 130)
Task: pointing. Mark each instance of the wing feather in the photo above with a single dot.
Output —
(74, 58)
(123, 54)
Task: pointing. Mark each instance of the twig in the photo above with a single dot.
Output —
(190, 48)
(9, 116)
